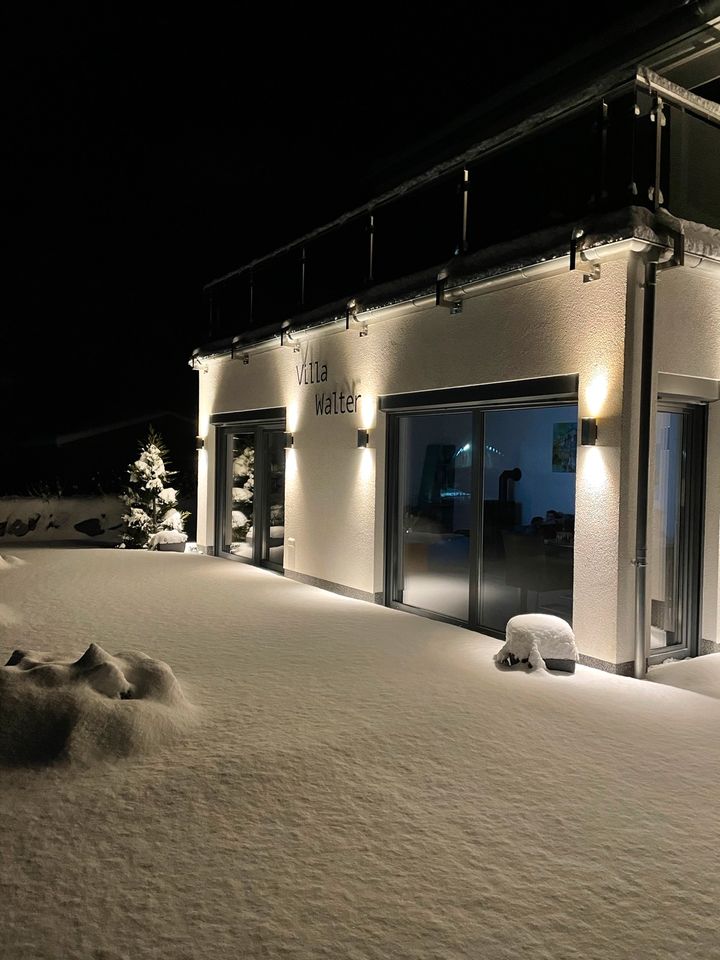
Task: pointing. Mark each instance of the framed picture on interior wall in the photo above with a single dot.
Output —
(564, 447)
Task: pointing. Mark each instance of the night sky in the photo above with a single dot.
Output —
(148, 151)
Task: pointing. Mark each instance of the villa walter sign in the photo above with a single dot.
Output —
(327, 402)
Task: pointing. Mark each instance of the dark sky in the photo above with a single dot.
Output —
(150, 150)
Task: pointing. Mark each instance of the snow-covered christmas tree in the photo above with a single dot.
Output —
(152, 516)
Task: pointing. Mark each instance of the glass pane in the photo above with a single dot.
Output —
(435, 511)
(528, 513)
(665, 540)
(275, 518)
(239, 531)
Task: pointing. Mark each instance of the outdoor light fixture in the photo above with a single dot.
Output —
(289, 441)
(588, 431)
(199, 443)
(363, 438)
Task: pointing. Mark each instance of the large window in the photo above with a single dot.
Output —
(251, 493)
(482, 512)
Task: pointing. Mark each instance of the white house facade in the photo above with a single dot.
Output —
(530, 424)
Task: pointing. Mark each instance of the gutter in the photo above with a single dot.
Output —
(547, 268)
(458, 292)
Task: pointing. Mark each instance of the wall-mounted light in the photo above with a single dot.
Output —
(363, 438)
(289, 441)
(588, 431)
(199, 443)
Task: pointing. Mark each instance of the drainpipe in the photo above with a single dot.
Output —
(647, 386)
(641, 524)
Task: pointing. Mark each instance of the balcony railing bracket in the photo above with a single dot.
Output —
(441, 300)
(578, 261)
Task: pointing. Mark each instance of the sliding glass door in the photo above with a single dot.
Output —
(528, 526)
(676, 530)
(483, 512)
(251, 493)
(436, 481)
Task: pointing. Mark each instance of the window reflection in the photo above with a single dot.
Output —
(528, 513)
(275, 519)
(436, 512)
(512, 527)
(242, 495)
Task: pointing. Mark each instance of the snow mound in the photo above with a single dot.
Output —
(699, 675)
(537, 638)
(98, 706)
(7, 561)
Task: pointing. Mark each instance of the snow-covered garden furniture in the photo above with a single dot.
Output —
(540, 640)
(167, 540)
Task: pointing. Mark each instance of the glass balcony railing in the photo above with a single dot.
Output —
(641, 144)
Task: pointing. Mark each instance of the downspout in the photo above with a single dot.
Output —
(647, 386)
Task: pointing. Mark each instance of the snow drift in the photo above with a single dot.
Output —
(98, 706)
(7, 561)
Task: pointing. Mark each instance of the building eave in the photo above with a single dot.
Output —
(511, 261)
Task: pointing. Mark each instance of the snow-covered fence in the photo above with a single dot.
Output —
(91, 519)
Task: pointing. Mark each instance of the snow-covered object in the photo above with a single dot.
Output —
(38, 520)
(239, 519)
(98, 706)
(152, 505)
(173, 520)
(150, 468)
(537, 637)
(166, 536)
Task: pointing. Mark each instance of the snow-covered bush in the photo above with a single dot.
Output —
(151, 503)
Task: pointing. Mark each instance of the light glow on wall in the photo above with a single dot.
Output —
(291, 467)
(292, 415)
(594, 471)
(367, 464)
(368, 412)
(203, 425)
(596, 393)
(202, 456)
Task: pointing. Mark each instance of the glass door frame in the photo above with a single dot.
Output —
(691, 529)
(225, 430)
(479, 399)
(395, 555)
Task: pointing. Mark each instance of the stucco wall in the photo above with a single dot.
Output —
(334, 492)
(687, 342)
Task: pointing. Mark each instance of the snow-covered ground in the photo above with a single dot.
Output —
(362, 784)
